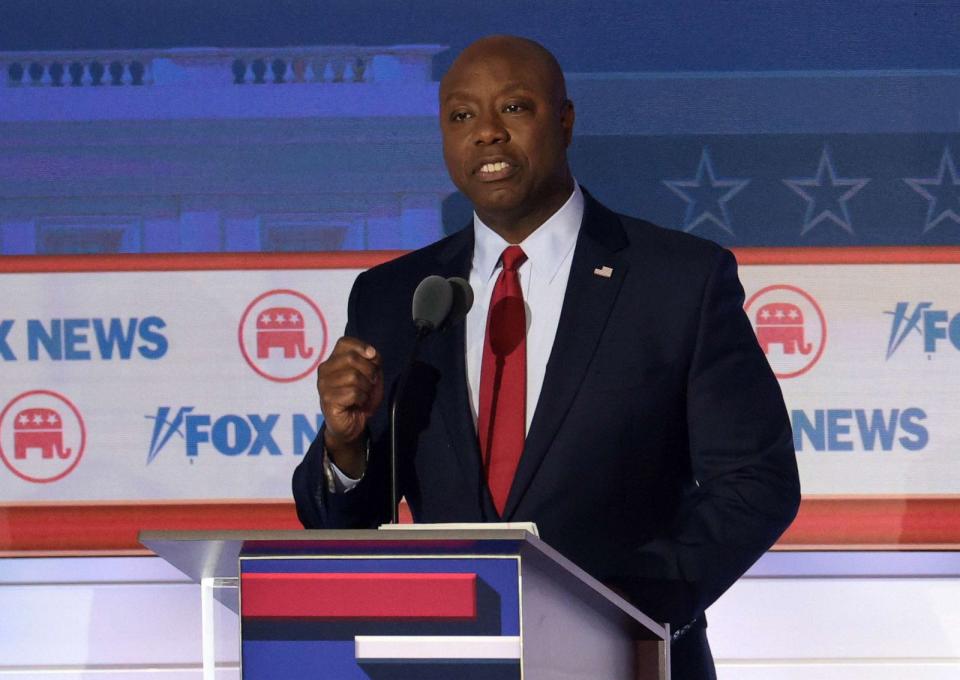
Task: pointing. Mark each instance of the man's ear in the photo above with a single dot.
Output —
(567, 117)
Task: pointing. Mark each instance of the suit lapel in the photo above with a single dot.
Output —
(587, 303)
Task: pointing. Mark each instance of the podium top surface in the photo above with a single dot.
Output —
(215, 554)
(307, 537)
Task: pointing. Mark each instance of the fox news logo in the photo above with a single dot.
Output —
(231, 434)
(83, 339)
(860, 429)
(934, 326)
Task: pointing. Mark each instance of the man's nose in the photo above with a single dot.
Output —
(490, 130)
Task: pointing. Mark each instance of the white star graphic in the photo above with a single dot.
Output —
(23, 420)
(827, 195)
(765, 314)
(52, 419)
(706, 196)
(38, 419)
(294, 318)
(281, 318)
(265, 318)
(942, 195)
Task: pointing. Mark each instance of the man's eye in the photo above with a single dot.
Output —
(459, 116)
(513, 108)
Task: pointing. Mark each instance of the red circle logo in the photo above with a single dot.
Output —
(790, 328)
(283, 335)
(42, 436)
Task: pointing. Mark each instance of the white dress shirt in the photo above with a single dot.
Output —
(543, 280)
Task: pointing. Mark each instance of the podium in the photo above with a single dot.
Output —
(426, 604)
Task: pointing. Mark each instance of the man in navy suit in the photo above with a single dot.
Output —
(657, 453)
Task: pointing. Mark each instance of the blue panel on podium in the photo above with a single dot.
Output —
(410, 629)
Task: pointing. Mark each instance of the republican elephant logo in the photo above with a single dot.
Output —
(39, 428)
(283, 335)
(283, 328)
(790, 326)
(42, 436)
(781, 323)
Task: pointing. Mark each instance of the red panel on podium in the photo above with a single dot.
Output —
(380, 596)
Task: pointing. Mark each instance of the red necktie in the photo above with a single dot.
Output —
(502, 413)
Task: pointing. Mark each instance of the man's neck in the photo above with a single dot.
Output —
(515, 227)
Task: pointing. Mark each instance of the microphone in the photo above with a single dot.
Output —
(462, 301)
(438, 304)
(432, 302)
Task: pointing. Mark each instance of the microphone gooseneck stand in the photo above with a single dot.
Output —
(423, 330)
(438, 303)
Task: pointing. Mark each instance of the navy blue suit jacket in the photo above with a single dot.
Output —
(660, 456)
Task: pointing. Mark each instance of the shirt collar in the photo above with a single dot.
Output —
(545, 248)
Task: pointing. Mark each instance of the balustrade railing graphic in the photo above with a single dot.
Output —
(57, 72)
(239, 66)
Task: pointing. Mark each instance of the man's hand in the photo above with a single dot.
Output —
(350, 385)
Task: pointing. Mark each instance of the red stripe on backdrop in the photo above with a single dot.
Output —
(113, 527)
(893, 522)
(379, 596)
(364, 259)
(876, 255)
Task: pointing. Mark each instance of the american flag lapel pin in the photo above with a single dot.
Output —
(604, 271)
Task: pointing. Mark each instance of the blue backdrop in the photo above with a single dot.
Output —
(750, 123)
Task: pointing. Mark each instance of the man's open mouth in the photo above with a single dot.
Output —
(495, 170)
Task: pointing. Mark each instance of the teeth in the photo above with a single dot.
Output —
(494, 167)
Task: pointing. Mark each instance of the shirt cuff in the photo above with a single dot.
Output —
(336, 479)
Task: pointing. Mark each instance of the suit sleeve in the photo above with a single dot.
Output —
(318, 507)
(746, 489)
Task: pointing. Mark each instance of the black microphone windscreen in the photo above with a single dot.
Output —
(432, 301)
(462, 300)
